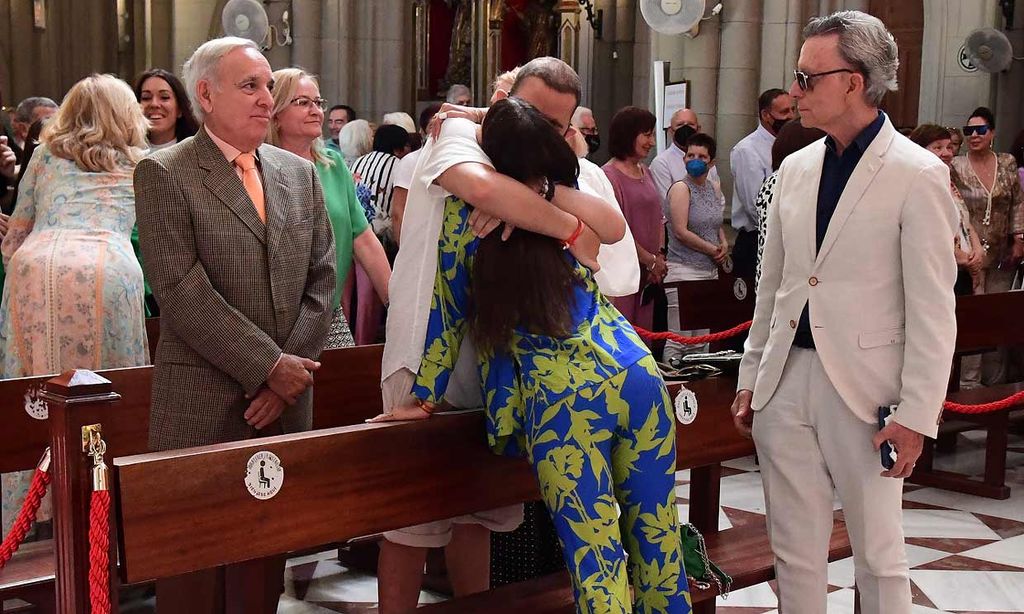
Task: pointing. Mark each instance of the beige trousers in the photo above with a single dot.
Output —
(810, 446)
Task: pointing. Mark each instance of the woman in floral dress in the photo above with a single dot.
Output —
(567, 383)
(74, 292)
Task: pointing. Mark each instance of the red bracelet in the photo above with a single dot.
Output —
(575, 235)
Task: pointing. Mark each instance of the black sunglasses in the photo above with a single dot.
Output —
(803, 80)
(981, 130)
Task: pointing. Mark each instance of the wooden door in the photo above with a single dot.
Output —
(905, 19)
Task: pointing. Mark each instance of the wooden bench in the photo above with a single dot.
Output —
(984, 322)
(346, 392)
(716, 305)
(369, 492)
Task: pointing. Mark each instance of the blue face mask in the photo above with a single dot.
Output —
(696, 167)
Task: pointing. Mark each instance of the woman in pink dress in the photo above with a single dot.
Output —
(630, 139)
(73, 298)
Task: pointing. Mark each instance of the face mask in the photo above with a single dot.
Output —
(683, 134)
(777, 124)
(696, 167)
(593, 142)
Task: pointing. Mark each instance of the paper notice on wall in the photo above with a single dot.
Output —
(675, 99)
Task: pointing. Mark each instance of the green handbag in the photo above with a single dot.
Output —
(700, 570)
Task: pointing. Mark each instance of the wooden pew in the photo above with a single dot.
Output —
(346, 392)
(369, 491)
(984, 322)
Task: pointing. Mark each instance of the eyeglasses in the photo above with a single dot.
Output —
(803, 80)
(981, 130)
(306, 102)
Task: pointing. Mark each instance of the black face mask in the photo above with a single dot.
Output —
(593, 142)
(683, 134)
(777, 125)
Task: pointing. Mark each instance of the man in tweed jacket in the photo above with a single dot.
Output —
(241, 261)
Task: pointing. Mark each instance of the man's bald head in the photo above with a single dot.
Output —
(682, 117)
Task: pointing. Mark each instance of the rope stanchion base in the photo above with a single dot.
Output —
(29, 509)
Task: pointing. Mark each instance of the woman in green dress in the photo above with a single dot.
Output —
(296, 125)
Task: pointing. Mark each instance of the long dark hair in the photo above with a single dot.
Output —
(186, 125)
(526, 282)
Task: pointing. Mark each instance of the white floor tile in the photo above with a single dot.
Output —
(1012, 508)
(723, 520)
(990, 591)
(291, 605)
(945, 523)
(841, 573)
(1007, 552)
(743, 464)
(757, 596)
(326, 555)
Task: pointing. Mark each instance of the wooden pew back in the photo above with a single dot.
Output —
(985, 321)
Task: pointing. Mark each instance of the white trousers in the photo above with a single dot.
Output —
(810, 446)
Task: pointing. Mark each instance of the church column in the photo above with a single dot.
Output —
(780, 43)
(306, 18)
(738, 81)
(569, 32)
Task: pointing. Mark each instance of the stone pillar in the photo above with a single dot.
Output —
(569, 32)
(306, 17)
(613, 62)
(780, 43)
(367, 56)
(738, 82)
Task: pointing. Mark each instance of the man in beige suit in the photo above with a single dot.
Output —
(239, 251)
(855, 310)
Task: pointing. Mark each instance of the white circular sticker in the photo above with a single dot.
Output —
(686, 405)
(34, 406)
(727, 264)
(739, 289)
(264, 475)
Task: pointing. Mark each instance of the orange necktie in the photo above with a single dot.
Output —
(252, 183)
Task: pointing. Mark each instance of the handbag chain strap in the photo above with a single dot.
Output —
(702, 549)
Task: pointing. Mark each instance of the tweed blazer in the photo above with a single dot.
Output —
(233, 293)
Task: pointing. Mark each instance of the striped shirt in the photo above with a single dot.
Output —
(375, 170)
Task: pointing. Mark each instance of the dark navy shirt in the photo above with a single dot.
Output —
(835, 173)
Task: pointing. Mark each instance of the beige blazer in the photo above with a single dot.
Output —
(880, 289)
(233, 293)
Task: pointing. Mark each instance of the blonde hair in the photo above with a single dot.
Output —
(100, 126)
(505, 80)
(286, 81)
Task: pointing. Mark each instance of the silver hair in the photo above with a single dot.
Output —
(457, 91)
(202, 66)
(578, 114)
(27, 107)
(866, 44)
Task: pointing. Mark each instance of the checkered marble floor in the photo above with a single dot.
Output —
(966, 553)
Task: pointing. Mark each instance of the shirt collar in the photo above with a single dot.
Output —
(862, 140)
(230, 151)
(763, 133)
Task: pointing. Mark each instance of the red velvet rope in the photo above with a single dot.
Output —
(27, 515)
(960, 408)
(99, 552)
(698, 340)
(984, 408)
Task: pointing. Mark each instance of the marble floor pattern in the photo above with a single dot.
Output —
(966, 553)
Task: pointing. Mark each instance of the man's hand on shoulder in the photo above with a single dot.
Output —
(452, 111)
(8, 161)
(908, 444)
(291, 376)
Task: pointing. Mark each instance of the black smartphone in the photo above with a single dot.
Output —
(887, 452)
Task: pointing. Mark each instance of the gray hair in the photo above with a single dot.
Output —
(399, 118)
(578, 114)
(23, 114)
(457, 91)
(355, 139)
(202, 66)
(864, 43)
